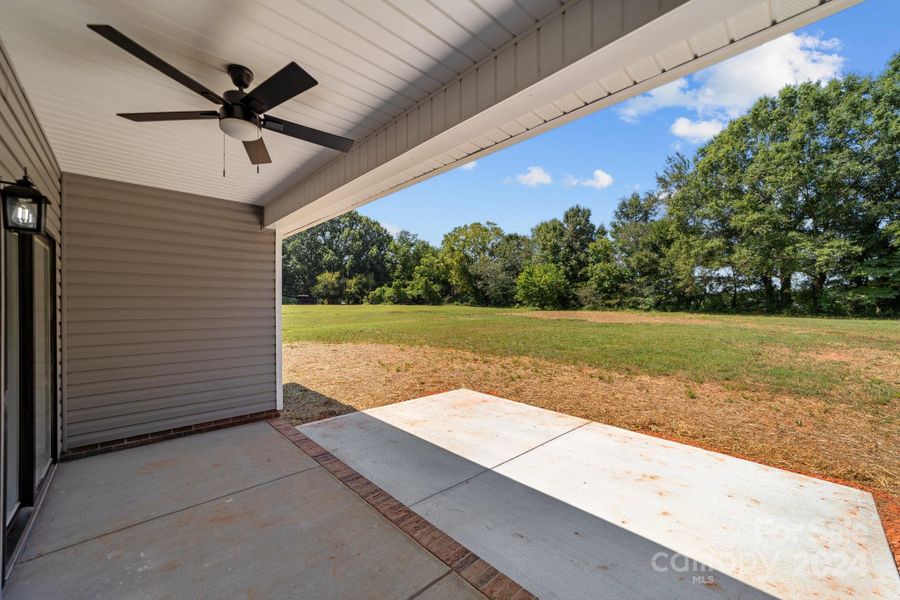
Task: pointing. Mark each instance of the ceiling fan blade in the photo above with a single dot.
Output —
(257, 152)
(183, 115)
(283, 85)
(307, 134)
(128, 45)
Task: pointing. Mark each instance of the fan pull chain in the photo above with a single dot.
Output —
(223, 155)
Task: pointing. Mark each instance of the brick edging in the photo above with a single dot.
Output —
(166, 434)
(477, 571)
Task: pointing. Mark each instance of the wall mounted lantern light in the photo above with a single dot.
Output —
(24, 207)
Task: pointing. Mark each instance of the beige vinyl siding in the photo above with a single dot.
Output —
(169, 310)
(23, 144)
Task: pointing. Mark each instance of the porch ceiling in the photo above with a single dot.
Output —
(420, 84)
(373, 59)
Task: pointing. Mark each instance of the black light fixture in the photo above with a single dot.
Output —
(24, 207)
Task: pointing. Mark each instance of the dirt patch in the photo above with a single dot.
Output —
(807, 435)
(617, 317)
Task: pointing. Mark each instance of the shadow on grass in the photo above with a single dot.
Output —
(304, 405)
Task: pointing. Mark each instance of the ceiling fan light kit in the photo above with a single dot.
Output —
(241, 114)
(240, 123)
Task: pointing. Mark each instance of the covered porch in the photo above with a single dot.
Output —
(141, 355)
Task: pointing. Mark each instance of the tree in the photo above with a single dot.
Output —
(351, 245)
(578, 234)
(800, 191)
(405, 252)
(329, 287)
(461, 249)
(643, 239)
(497, 271)
(605, 276)
(542, 285)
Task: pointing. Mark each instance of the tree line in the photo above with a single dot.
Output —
(793, 208)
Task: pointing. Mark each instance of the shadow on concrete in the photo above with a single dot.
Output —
(553, 549)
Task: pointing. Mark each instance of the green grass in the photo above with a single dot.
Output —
(745, 351)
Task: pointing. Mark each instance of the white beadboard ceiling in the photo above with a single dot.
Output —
(374, 60)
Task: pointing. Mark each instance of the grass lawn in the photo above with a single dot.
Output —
(820, 396)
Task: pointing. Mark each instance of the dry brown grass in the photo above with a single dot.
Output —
(803, 434)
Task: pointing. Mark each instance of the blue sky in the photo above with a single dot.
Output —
(597, 159)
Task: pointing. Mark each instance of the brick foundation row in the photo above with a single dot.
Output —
(166, 434)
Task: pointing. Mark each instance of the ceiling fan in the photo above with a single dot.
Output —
(241, 113)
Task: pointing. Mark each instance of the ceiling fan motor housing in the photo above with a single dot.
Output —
(241, 76)
(239, 122)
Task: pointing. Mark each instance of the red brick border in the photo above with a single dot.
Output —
(166, 434)
(478, 572)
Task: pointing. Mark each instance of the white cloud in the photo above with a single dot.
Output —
(534, 176)
(469, 166)
(696, 131)
(726, 90)
(601, 180)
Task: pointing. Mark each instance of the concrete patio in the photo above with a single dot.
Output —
(565, 507)
(574, 509)
(236, 513)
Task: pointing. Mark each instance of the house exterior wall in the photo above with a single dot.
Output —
(169, 310)
(23, 144)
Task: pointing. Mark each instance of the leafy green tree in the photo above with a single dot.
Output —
(578, 234)
(542, 285)
(461, 249)
(329, 287)
(605, 276)
(549, 240)
(430, 282)
(351, 245)
(405, 252)
(496, 272)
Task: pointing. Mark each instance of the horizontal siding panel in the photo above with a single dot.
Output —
(197, 324)
(115, 264)
(164, 237)
(169, 368)
(89, 290)
(105, 221)
(213, 336)
(85, 315)
(133, 351)
(166, 302)
(123, 397)
(137, 207)
(212, 284)
(173, 379)
(96, 435)
(129, 360)
(170, 310)
(109, 241)
(129, 408)
(86, 421)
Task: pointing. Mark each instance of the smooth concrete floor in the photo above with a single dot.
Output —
(235, 513)
(573, 509)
